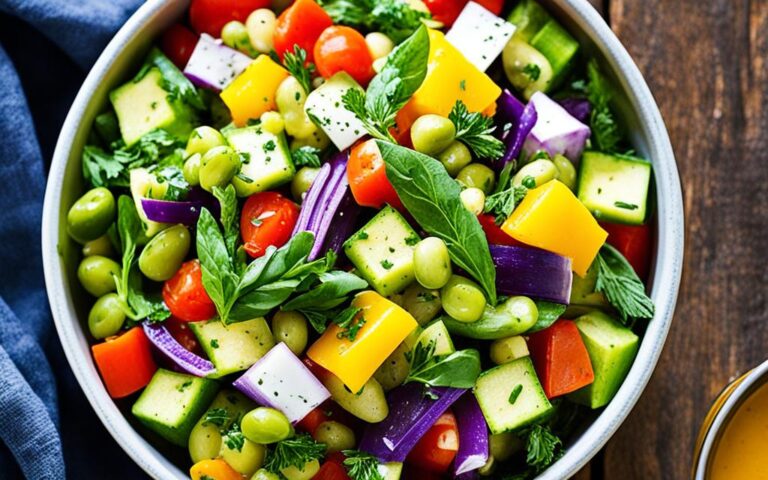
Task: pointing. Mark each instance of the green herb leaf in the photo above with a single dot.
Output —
(542, 447)
(432, 197)
(475, 131)
(216, 416)
(362, 465)
(296, 451)
(233, 438)
(606, 131)
(296, 64)
(533, 71)
(174, 82)
(516, 391)
(306, 156)
(395, 18)
(350, 323)
(460, 369)
(622, 287)
(625, 205)
(549, 313)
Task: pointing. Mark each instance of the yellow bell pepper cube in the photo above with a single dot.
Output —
(355, 362)
(552, 218)
(450, 77)
(253, 91)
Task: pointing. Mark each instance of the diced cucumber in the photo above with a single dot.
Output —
(479, 35)
(529, 17)
(583, 294)
(266, 159)
(615, 187)
(172, 403)
(382, 251)
(144, 105)
(511, 396)
(560, 48)
(612, 348)
(235, 347)
(145, 185)
(326, 108)
(438, 333)
(390, 470)
(205, 439)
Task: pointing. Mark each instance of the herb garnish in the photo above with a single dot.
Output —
(322, 303)
(516, 391)
(506, 196)
(349, 322)
(362, 465)
(294, 452)
(216, 416)
(622, 287)
(306, 156)
(474, 130)
(233, 438)
(296, 64)
(542, 447)
(395, 18)
(625, 205)
(532, 71)
(460, 369)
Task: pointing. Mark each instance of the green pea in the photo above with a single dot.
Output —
(191, 169)
(566, 172)
(235, 35)
(96, 275)
(336, 436)
(262, 474)
(291, 329)
(266, 425)
(203, 139)
(431, 134)
(455, 157)
(505, 350)
(163, 255)
(422, 303)
(302, 181)
(539, 171)
(247, 459)
(477, 175)
(106, 317)
(101, 246)
(306, 472)
(522, 309)
(91, 215)
(431, 263)
(219, 165)
(463, 299)
(503, 445)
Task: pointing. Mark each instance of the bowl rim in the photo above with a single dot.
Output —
(666, 279)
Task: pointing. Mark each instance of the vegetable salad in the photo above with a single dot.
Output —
(366, 240)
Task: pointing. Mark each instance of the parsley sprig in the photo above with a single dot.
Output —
(459, 369)
(506, 197)
(349, 322)
(306, 156)
(296, 64)
(395, 18)
(362, 465)
(622, 287)
(294, 452)
(542, 447)
(474, 130)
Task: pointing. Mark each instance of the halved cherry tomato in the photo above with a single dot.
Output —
(367, 177)
(333, 468)
(125, 362)
(494, 234)
(494, 6)
(267, 220)
(185, 295)
(343, 49)
(177, 43)
(436, 450)
(634, 242)
(300, 24)
(181, 332)
(445, 11)
(210, 16)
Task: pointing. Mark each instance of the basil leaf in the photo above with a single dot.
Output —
(460, 369)
(333, 291)
(432, 197)
(622, 287)
(219, 278)
(262, 300)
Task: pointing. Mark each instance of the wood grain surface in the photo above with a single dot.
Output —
(705, 62)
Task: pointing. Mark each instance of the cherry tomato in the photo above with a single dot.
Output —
(177, 44)
(210, 16)
(185, 295)
(180, 331)
(300, 24)
(494, 234)
(436, 450)
(634, 242)
(368, 178)
(267, 219)
(494, 6)
(343, 49)
(332, 469)
(445, 11)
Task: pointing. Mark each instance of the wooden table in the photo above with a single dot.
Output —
(706, 64)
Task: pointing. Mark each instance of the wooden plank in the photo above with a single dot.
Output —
(599, 5)
(705, 63)
(584, 474)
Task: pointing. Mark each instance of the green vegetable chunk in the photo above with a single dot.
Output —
(514, 316)
(91, 215)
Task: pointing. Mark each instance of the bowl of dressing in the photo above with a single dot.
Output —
(732, 440)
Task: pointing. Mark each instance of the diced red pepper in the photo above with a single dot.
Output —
(125, 362)
(436, 450)
(561, 359)
(367, 177)
(634, 242)
(494, 234)
(332, 469)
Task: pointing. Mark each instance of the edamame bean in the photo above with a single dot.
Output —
(262, 474)
(473, 199)
(541, 171)
(477, 175)
(336, 436)
(431, 134)
(91, 215)
(379, 45)
(101, 246)
(566, 172)
(455, 157)
(261, 29)
(245, 460)
(291, 329)
(219, 166)
(203, 139)
(266, 425)
(272, 122)
(290, 98)
(163, 255)
(505, 350)
(431, 263)
(204, 441)
(235, 35)
(422, 303)
(394, 370)
(463, 299)
(106, 317)
(369, 404)
(191, 169)
(308, 471)
(503, 445)
(527, 69)
(97, 275)
(302, 181)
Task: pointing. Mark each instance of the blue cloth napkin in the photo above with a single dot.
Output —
(47, 428)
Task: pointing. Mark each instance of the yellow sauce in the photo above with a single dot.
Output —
(741, 452)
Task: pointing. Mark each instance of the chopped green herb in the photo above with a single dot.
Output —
(529, 182)
(622, 287)
(361, 465)
(269, 146)
(515, 393)
(475, 131)
(214, 343)
(532, 71)
(293, 452)
(216, 416)
(296, 64)
(460, 369)
(463, 85)
(233, 438)
(362, 235)
(386, 264)
(350, 323)
(626, 206)
(306, 156)
(184, 385)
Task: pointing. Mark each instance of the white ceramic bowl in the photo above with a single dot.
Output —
(120, 60)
